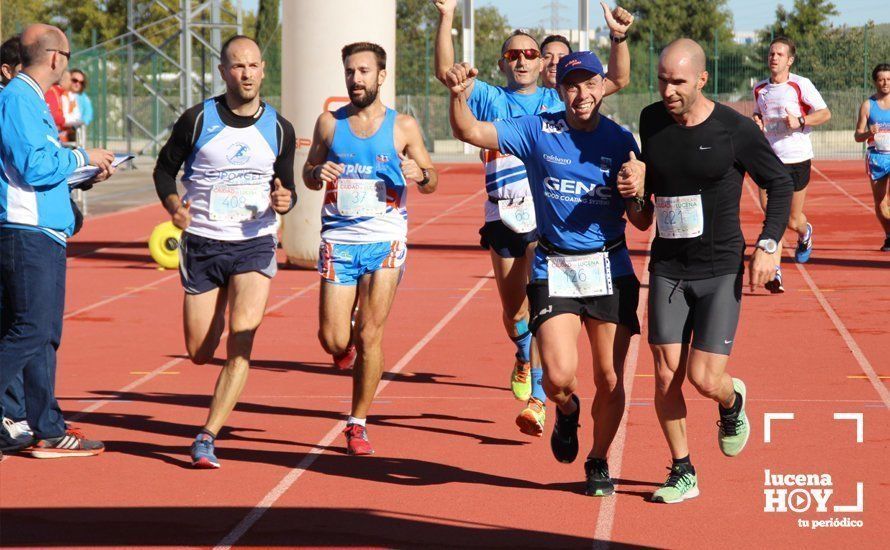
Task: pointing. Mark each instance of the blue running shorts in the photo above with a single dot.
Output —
(345, 264)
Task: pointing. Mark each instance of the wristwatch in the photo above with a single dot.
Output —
(616, 39)
(639, 203)
(426, 177)
(803, 121)
(767, 245)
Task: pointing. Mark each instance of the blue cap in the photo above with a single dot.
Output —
(583, 61)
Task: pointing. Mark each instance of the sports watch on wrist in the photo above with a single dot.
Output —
(617, 39)
(767, 245)
(803, 121)
(426, 177)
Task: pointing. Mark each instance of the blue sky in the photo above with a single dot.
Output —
(748, 15)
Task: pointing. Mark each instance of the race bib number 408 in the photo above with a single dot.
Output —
(361, 197)
(238, 203)
(679, 217)
(579, 276)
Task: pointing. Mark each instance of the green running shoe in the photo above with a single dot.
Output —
(521, 380)
(733, 430)
(681, 485)
(599, 484)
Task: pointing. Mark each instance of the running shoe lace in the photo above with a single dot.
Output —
(601, 469)
(522, 373)
(678, 479)
(730, 426)
(75, 432)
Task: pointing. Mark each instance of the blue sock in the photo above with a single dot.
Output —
(537, 386)
(523, 345)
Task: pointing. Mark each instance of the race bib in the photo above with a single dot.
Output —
(518, 214)
(238, 203)
(361, 197)
(882, 141)
(679, 217)
(776, 126)
(579, 276)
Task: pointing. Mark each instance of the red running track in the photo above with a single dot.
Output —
(451, 469)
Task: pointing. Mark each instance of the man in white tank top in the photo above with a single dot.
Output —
(363, 155)
(239, 156)
(786, 108)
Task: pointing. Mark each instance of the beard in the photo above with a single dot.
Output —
(360, 102)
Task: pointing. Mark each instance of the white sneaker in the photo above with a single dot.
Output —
(18, 430)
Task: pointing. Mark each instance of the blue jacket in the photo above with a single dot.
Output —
(34, 167)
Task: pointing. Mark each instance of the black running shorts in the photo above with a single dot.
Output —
(800, 174)
(504, 241)
(703, 311)
(205, 264)
(620, 307)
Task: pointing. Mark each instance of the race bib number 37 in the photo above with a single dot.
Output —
(679, 217)
(579, 276)
(361, 197)
(238, 203)
(518, 214)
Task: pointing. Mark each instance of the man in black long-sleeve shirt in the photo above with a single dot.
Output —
(697, 153)
(239, 172)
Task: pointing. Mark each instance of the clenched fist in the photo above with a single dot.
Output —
(459, 76)
(618, 20)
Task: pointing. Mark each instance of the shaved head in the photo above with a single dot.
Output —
(37, 39)
(683, 53)
(682, 77)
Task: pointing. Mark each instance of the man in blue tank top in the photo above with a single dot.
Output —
(873, 127)
(364, 155)
(584, 178)
(239, 173)
(508, 232)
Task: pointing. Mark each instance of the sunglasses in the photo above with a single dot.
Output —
(513, 55)
(62, 52)
(76, 81)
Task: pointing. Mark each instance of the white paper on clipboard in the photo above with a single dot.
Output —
(86, 174)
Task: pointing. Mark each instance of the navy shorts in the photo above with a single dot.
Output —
(504, 241)
(620, 307)
(800, 174)
(206, 264)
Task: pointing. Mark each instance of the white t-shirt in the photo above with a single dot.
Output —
(773, 102)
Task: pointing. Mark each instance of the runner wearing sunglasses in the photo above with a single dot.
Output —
(510, 226)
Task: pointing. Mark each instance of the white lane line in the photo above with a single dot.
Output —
(606, 517)
(153, 374)
(863, 361)
(450, 210)
(868, 207)
(288, 480)
(119, 296)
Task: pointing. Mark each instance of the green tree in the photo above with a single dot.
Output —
(671, 19)
(808, 18)
(18, 14)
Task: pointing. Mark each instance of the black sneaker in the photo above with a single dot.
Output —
(886, 247)
(9, 444)
(599, 484)
(564, 439)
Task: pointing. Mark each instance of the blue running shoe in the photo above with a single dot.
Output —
(804, 246)
(203, 456)
(775, 286)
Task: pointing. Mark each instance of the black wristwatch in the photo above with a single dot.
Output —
(803, 121)
(426, 177)
(616, 39)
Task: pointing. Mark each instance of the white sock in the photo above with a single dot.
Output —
(359, 421)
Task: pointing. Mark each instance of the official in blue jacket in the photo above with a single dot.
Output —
(36, 220)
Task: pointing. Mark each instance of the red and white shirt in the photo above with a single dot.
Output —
(773, 102)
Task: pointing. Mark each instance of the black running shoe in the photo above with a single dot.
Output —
(886, 247)
(564, 439)
(599, 484)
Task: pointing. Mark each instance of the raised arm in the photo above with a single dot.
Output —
(464, 125)
(619, 21)
(317, 171)
(417, 165)
(444, 44)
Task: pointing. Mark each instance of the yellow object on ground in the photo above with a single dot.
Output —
(164, 245)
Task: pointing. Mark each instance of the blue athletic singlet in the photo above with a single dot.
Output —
(228, 177)
(573, 182)
(372, 206)
(505, 176)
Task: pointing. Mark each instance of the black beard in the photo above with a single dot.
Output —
(364, 101)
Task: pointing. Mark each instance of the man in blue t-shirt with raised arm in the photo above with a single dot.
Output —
(508, 232)
(584, 177)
